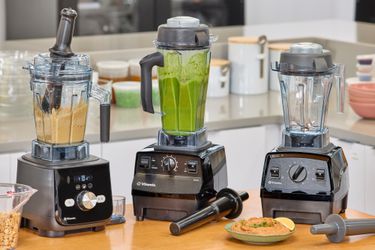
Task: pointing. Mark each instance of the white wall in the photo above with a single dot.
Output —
(2, 20)
(275, 11)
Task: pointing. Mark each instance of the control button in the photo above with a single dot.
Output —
(78, 187)
(320, 174)
(192, 167)
(69, 202)
(89, 185)
(297, 173)
(275, 172)
(100, 198)
(86, 200)
(83, 186)
(145, 162)
(169, 164)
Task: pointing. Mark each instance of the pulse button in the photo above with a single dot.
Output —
(145, 162)
(275, 172)
(192, 167)
(320, 174)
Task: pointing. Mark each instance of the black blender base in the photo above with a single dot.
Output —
(25, 223)
(162, 208)
(302, 211)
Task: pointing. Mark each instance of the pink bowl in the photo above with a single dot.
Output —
(365, 110)
(360, 93)
(354, 98)
(370, 86)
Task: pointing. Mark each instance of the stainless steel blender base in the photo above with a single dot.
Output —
(55, 234)
(48, 212)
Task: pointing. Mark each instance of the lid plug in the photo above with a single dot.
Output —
(64, 34)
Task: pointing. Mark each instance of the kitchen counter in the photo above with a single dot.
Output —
(229, 112)
(155, 235)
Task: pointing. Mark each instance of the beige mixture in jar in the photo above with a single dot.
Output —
(9, 225)
(62, 126)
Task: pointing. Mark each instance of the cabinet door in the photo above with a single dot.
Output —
(5, 168)
(245, 150)
(355, 155)
(370, 177)
(121, 156)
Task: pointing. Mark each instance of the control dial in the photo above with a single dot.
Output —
(86, 200)
(297, 173)
(169, 164)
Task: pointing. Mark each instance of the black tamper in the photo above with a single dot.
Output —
(336, 228)
(228, 203)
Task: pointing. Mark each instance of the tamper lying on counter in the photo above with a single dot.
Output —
(336, 228)
(228, 203)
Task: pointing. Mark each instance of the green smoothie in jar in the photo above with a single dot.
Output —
(183, 85)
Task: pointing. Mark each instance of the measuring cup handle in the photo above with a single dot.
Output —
(147, 63)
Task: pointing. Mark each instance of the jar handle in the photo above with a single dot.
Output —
(340, 87)
(147, 63)
(104, 97)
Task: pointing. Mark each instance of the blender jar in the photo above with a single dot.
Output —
(12, 199)
(60, 98)
(183, 57)
(61, 85)
(306, 75)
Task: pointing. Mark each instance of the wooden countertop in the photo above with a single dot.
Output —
(155, 235)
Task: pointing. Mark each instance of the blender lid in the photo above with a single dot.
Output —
(183, 32)
(47, 66)
(305, 58)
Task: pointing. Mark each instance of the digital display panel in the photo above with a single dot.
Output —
(82, 178)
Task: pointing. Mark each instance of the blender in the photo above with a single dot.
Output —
(74, 186)
(183, 170)
(306, 178)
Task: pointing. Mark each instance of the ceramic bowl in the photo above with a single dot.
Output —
(365, 110)
(256, 239)
(361, 99)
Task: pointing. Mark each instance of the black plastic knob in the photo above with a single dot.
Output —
(297, 173)
(169, 164)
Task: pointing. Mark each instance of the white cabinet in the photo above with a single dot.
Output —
(121, 156)
(370, 180)
(356, 157)
(245, 150)
(5, 170)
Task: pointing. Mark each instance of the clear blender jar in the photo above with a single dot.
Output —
(61, 85)
(183, 57)
(306, 75)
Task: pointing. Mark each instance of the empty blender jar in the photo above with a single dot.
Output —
(183, 56)
(306, 75)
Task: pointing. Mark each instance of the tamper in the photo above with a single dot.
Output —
(336, 228)
(228, 203)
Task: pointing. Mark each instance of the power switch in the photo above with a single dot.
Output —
(275, 172)
(192, 167)
(145, 162)
(320, 174)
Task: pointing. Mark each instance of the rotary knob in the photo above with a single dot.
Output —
(169, 164)
(86, 200)
(297, 173)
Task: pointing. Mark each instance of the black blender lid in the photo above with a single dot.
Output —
(183, 32)
(305, 58)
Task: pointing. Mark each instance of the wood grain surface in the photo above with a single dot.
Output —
(155, 235)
